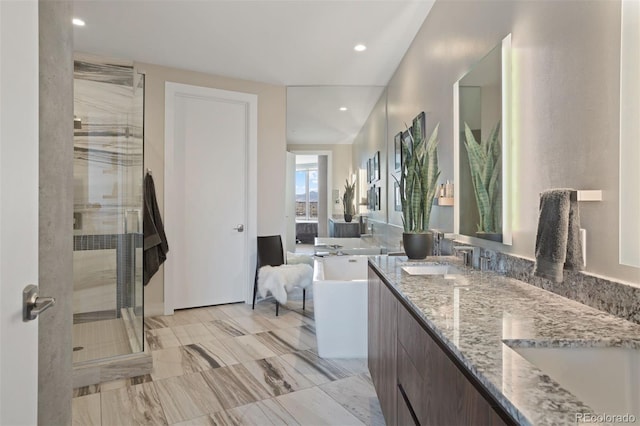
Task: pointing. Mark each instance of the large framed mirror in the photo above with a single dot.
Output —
(482, 148)
(630, 134)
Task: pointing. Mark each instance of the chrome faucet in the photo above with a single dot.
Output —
(437, 238)
(468, 253)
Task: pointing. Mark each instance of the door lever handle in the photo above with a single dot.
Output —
(32, 305)
(239, 228)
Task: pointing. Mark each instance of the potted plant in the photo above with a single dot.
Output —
(347, 200)
(417, 184)
(485, 161)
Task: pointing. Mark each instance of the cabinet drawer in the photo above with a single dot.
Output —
(413, 387)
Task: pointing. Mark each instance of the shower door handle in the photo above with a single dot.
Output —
(239, 228)
(32, 305)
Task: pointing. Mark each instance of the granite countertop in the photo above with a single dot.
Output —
(475, 313)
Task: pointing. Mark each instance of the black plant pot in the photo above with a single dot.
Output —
(418, 246)
(348, 217)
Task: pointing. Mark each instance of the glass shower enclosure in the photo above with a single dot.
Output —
(108, 202)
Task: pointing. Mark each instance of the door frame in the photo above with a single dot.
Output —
(172, 91)
(329, 154)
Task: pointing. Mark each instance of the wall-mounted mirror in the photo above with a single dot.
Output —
(482, 128)
(629, 135)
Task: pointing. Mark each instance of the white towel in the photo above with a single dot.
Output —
(281, 279)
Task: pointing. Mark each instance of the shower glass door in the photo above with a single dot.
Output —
(107, 241)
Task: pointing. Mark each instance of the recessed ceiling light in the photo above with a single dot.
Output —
(343, 108)
(77, 21)
(360, 48)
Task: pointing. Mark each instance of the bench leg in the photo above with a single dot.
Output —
(304, 297)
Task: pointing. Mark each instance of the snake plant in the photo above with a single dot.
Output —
(485, 161)
(347, 198)
(418, 179)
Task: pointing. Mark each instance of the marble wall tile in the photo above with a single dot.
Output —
(235, 386)
(314, 407)
(247, 348)
(86, 411)
(314, 368)
(132, 405)
(186, 397)
(266, 412)
(358, 396)
(277, 376)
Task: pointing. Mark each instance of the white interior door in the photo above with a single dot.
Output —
(207, 139)
(18, 209)
(290, 203)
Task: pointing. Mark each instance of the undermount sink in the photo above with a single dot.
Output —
(432, 269)
(605, 378)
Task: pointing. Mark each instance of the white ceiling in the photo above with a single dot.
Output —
(291, 43)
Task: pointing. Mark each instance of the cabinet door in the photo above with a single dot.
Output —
(430, 376)
(388, 356)
(373, 327)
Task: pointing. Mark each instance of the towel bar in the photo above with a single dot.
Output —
(586, 195)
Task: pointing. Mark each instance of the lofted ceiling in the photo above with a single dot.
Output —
(290, 43)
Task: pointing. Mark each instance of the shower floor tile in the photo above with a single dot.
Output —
(100, 339)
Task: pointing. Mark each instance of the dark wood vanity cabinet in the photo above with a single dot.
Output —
(382, 341)
(416, 380)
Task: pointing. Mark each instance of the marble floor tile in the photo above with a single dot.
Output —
(314, 368)
(161, 338)
(266, 412)
(121, 383)
(314, 407)
(235, 310)
(221, 418)
(235, 385)
(289, 319)
(133, 405)
(186, 316)
(247, 348)
(354, 365)
(277, 376)
(216, 350)
(86, 411)
(210, 313)
(222, 329)
(304, 335)
(358, 396)
(281, 342)
(186, 397)
(254, 324)
(192, 333)
(167, 363)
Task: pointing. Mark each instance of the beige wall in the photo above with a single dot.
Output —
(271, 148)
(340, 164)
(565, 106)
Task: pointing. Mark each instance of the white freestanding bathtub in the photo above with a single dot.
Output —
(340, 306)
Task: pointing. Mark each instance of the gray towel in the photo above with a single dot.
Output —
(558, 243)
(155, 245)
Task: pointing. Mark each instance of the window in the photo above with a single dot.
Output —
(307, 193)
